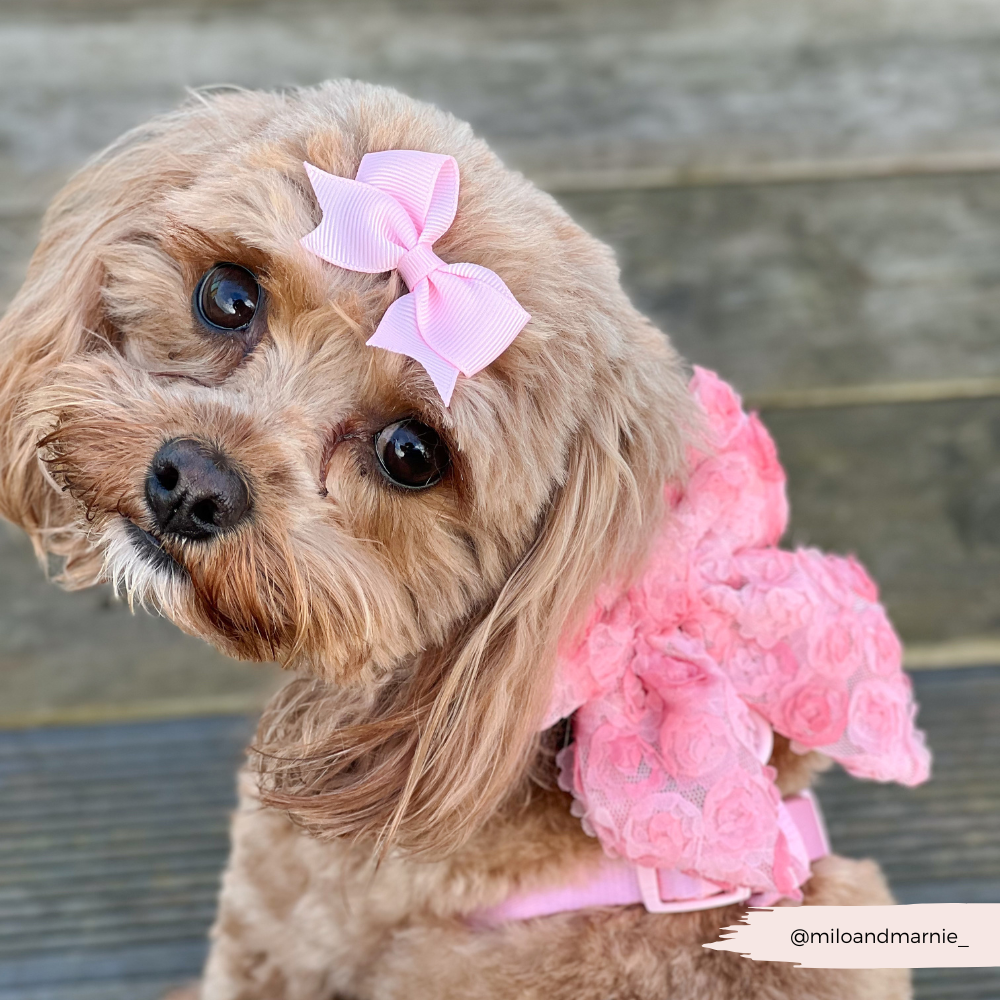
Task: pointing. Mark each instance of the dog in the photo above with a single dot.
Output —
(188, 409)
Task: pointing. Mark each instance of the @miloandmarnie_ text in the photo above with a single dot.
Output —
(835, 935)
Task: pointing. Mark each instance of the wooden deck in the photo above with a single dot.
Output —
(804, 193)
(112, 838)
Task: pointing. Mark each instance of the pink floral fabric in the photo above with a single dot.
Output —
(678, 683)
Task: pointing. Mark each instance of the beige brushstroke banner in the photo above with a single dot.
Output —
(915, 936)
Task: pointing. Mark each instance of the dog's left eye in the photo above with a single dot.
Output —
(226, 297)
(411, 454)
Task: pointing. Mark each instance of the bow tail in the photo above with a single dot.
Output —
(398, 332)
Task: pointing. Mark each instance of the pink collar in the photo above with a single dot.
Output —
(617, 882)
(676, 684)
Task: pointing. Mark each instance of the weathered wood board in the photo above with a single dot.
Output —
(558, 86)
(938, 842)
(112, 839)
(801, 285)
(914, 490)
(18, 235)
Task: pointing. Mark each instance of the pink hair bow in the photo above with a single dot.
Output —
(457, 317)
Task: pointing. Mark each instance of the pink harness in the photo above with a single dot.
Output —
(617, 882)
(677, 685)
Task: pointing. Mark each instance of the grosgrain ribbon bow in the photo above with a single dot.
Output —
(456, 317)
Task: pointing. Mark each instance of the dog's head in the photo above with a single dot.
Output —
(188, 408)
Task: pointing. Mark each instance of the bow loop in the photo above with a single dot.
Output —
(363, 229)
(424, 184)
(468, 314)
(457, 317)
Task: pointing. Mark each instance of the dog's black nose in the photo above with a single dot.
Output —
(193, 491)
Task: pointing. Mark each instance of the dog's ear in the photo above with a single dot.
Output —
(54, 317)
(437, 750)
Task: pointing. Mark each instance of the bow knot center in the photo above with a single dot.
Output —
(417, 263)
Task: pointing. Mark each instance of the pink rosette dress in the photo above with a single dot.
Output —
(677, 684)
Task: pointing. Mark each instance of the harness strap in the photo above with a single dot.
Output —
(617, 882)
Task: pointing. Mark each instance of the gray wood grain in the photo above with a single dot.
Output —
(111, 901)
(18, 236)
(556, 86)
(130, 988)
(802, 285)
(914, 490)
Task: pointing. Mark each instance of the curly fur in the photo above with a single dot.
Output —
(398, 783)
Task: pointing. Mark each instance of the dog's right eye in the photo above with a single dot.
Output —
(227, 298)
